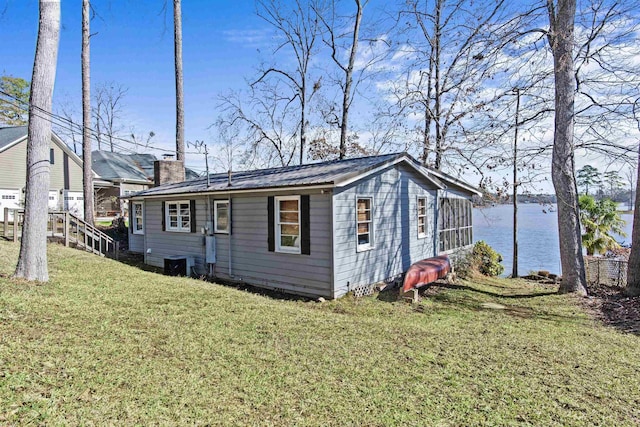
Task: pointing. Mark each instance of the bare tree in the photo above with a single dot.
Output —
(453, 52)
(298, 30)
(87, 166)
(107, 111)
(32, 261)
(177, 40)
(69, 129)
(561, 40)
(348, 71)
(264, 120)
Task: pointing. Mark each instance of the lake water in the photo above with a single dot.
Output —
(538, 247)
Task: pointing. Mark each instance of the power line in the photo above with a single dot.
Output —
(69, 125)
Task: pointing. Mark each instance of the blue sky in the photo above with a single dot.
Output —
(133, 46)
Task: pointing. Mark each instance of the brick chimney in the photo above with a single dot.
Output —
(167, 171)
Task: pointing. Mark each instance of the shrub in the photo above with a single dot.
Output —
(486, 260)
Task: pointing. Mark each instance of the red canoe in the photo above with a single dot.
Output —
(426, 271)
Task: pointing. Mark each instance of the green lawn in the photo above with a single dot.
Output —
(105, 343)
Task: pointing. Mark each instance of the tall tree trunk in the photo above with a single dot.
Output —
(438, 89)
(32, 261)
(426, 141)
(561, 39)
(514, 271)
(303, 110)
(87, 171)
(633, 269)
(177, 39)
(346, 98)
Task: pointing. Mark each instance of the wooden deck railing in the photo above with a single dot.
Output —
(64, 227)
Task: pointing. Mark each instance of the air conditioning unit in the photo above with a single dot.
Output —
(178, 265)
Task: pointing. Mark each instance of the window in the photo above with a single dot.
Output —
(221, 216)
(8, 197)
(364, 223)
(288, 224)
(52, 157)
(454, 223)
(178, 216)
(137, 225)
(422, 217)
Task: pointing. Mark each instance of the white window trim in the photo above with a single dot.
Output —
(371, 245)
(418, 216)
(133, 218)
(276, 223)
(215, 216)
(167, 222)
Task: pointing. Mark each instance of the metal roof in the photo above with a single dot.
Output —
(133, 167)
(128, 167)
(335, 172)
(8, 135)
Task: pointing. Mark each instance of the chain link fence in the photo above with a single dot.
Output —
(606, 271)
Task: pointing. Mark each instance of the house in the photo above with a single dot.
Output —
(65, 189)
(121, 175)
(320, 229)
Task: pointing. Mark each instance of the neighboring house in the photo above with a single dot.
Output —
(65, 189)
(122, 175)
(321, 229)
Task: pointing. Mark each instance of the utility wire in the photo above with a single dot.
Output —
(70, 125)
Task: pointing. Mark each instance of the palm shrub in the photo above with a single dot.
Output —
(599, 219)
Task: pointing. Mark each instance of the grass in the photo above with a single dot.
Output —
(105, 343)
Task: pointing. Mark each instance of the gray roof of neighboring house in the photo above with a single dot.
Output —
(335, 172)
(131, 167)
(11, 134)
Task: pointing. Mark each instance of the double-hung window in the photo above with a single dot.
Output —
(137, 225)
(178, 216)
(221, 216)
(287, 224)
(364, 223)
(422, 217)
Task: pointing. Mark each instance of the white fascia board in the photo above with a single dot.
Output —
(400, 159)
(65, 148)
(14, 143)
(231, 192)
(457, 183)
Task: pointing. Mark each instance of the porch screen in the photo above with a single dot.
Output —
(455, 224)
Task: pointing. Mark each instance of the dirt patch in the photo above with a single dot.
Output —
(609, 304)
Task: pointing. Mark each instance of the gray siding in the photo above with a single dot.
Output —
(395, 228)
(159, 244)
(136, 241)
(251, 260)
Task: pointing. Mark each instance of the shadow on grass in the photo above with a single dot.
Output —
(498, 294)
(468, 302)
